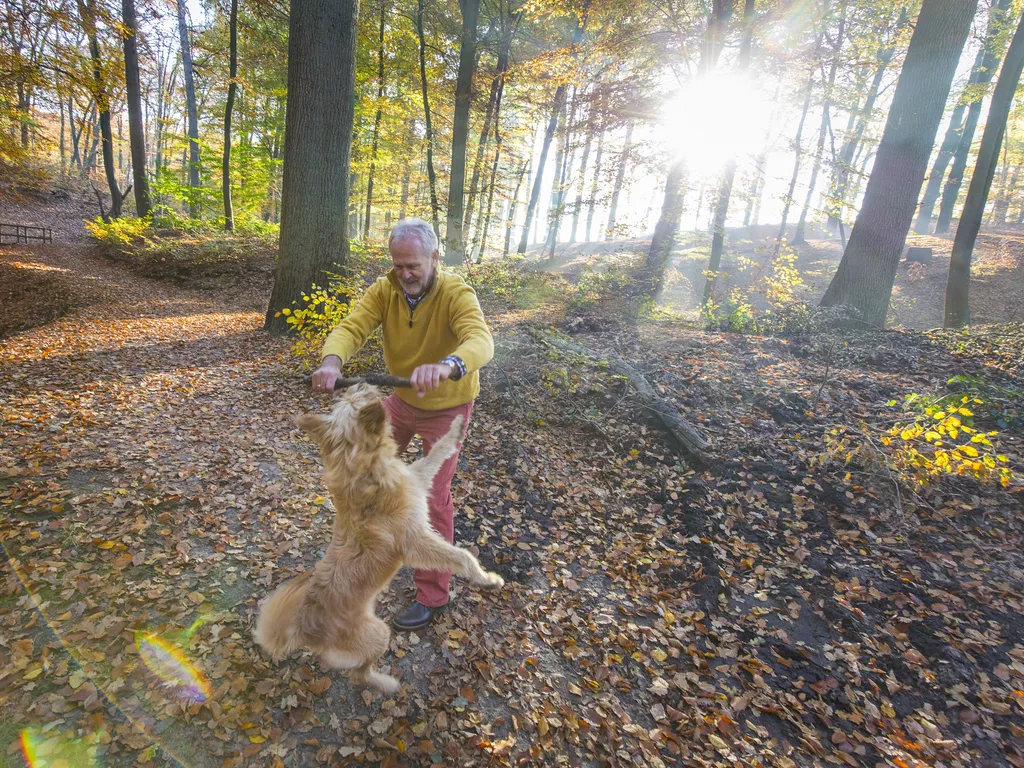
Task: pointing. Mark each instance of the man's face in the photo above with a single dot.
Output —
(413, 267)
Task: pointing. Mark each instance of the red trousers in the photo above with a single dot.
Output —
(406, 421)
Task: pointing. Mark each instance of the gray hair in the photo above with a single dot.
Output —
(418, 228)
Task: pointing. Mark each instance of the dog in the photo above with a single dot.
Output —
(380, 524)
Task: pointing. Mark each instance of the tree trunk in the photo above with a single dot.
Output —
(592, 203)
(87, 11)
(557, 178)
(429, 137)
(865, 275)
(322, 38)
(990, 61)
(376, 122)
(493, 99)
(950, 142)
(1001, 211)
(494, 171)
(668, 222)
(725, 192)
(796, 166)
(136, 128)
(556, 108)
(620, 176)
(549, 133)
(229, 211)
(510, 221)
(823, 131)
(581, 181)
(193, 114)
(455, 247)
(959, 281)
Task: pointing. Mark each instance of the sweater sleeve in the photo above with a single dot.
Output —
(350, 334)
(476, 347)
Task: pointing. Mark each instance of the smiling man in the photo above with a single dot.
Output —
(435, 335)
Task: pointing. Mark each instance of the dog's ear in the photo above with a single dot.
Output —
(312, 424)
(373, 417)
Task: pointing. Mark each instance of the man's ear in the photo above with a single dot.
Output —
(373, 417)
(312, 424)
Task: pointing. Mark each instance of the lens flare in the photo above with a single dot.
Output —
(55, 751)
(169, 663)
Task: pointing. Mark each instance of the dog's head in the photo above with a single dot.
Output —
(357, 424)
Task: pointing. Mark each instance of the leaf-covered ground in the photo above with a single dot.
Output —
(764, 609)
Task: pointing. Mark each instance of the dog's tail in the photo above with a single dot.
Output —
(279, 629)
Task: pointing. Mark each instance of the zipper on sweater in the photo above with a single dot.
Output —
(411, 310)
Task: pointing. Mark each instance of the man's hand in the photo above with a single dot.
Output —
(328, 373)
(427, 378)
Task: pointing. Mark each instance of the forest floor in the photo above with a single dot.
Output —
(997, 271)
(770, 607)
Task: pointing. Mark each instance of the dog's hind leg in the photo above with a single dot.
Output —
(430, 552)
(429, 465)
(368, 647)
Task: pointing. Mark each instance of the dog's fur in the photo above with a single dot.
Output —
(380, 524)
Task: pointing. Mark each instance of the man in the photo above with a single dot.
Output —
(434, 334)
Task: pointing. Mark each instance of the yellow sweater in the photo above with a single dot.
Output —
(447, 321)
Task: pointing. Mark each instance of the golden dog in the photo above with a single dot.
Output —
(380, 524)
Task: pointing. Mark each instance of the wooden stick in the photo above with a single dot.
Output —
(374, 379)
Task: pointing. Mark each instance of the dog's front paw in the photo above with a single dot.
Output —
(492, 581)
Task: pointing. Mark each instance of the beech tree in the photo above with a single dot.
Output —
(865, 275)
(321, 110)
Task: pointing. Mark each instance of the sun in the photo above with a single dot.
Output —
(713, 117)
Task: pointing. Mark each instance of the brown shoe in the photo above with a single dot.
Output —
(416, 617)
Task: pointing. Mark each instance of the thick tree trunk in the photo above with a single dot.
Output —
(193, 113)
(620, 176)
(865, 275)
(455, 250)
(668, 222)
(322, 38)
(229, 211)
(136, 128)
(87, 10)
(959, 281)
(990, 62)
(429, 137)
(376, 122)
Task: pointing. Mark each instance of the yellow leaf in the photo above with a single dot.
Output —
(196, 597)
(658, 655)
(964, 412)
(34, 673)
(256, 738)
(970, 450)
(669, 617)
(939, 415)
